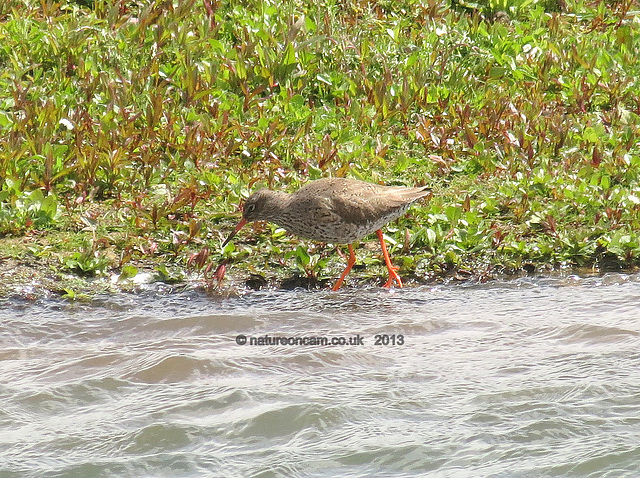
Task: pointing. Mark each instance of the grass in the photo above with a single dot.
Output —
(135, 129)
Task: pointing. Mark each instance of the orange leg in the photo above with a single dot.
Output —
(392, 270)
(350, 263)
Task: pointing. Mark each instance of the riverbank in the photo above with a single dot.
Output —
(130, 135)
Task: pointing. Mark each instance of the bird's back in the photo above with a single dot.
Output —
(341, 210)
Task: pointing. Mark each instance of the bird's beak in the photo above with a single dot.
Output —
(242, 222)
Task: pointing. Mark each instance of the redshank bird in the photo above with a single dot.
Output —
(334, 210)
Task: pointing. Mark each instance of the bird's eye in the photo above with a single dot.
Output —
(251, 207)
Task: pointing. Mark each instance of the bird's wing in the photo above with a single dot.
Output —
(375, 201)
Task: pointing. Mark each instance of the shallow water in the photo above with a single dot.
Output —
(529, 378)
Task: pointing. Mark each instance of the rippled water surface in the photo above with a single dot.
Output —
(525, 378)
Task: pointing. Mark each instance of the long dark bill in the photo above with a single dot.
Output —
(242, 222)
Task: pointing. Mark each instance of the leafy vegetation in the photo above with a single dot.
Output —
(131, 131)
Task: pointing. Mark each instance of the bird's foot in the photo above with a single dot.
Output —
(393, 277)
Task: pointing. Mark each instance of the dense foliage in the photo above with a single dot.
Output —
(132, 130)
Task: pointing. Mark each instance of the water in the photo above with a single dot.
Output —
(529, 378)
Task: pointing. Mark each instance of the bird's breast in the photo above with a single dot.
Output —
(334, 228)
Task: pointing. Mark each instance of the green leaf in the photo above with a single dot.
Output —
(289, 55)
(302, 256)
(431, 236)
(128, 272)
(590, 134)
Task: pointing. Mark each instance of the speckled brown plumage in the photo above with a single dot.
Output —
(335, 210)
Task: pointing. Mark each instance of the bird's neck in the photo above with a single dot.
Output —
(276, 206)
